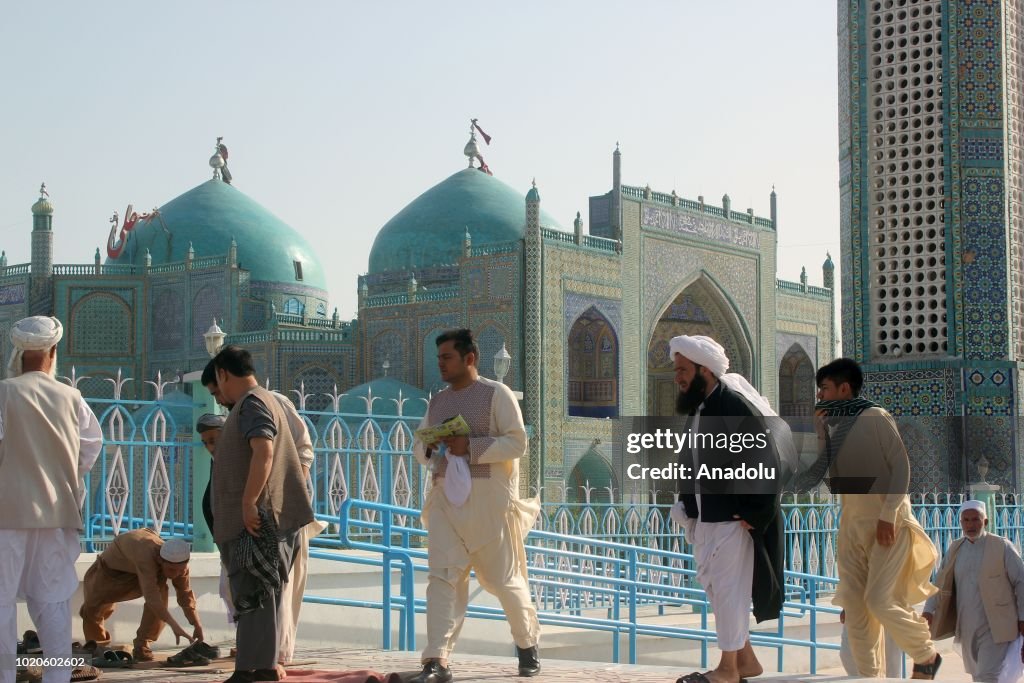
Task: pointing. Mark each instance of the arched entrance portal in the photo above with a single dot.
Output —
(699, 309)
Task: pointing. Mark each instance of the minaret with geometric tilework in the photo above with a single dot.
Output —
(932, 222)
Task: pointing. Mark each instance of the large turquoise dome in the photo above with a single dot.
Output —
(430, 230)
(209, 216)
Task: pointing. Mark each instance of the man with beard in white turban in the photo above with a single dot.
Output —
(49, 440)
(736, 531)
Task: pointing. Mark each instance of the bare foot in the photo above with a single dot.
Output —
(281, 673)
(750, 669)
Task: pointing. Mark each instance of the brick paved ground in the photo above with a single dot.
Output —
(469, 669)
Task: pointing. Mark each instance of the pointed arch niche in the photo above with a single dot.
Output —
(593, 374)
(700, 308)
(594, 473)
(796, 389)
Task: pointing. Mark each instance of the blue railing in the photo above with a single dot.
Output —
(569, 576)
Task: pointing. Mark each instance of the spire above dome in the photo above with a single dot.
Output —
(42, 207)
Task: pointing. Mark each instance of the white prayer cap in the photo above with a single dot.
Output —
(974, 505)
(702, 351)
(37, 333)
(175, 550)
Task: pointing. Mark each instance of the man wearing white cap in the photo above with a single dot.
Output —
(736, 532)
(138, 564)
(981, 596)
(49, 440)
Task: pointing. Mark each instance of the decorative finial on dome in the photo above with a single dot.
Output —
(42, 207)
(219, 162)
(472, 150)
(617, 147)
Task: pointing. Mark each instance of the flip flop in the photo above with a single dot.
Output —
(113, 659)
(929, 669)
(694, 677)
(204, 649)
(187, 657)
(30, 642)
(84, 673)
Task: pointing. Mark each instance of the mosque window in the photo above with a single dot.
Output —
(298, 270)
(294, 307)
(796, 389)
(593, 367)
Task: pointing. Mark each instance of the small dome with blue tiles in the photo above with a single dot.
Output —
(430, 231)
(208, 217)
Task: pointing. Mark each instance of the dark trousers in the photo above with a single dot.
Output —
(257, 637)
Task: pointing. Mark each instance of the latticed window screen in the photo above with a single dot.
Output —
(905, 179)
(101, 325)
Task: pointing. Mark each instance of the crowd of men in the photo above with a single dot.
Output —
(258, 506)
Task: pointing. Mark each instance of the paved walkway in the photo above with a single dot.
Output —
(472, 669)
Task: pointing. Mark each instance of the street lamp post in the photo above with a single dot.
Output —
(214, 339)
(202, 538)
(502, 363)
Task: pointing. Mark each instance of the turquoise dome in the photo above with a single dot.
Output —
(209, 216)
(431, 229)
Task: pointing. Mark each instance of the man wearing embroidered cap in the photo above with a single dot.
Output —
(884, 559)
(736, 532)
(49, 440)
(980, 598)
(138, 564)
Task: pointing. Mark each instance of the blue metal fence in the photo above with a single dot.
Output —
(579, 582)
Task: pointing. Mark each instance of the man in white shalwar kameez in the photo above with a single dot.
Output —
(49, 440)
(981, 580)
(736, 534)
(482, 526)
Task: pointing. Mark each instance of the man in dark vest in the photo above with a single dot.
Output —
(260, 503)
(735, 526)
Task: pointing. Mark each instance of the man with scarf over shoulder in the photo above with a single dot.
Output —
(884, 558)
(735, 526)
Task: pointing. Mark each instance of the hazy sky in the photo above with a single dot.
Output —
(337, 114)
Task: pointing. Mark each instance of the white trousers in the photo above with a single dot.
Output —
(725, 568)
(38, 565)
(293, 591)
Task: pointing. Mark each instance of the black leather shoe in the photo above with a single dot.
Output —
(529, 665)
(433, 672)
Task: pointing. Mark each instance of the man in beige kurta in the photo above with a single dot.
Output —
(138, 564)
(884, 557)
(49, 440)
(485, 531)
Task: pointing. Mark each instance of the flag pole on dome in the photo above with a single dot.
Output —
(485, 136)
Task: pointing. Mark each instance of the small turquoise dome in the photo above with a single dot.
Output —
(209, 216)
(828, 261)
(431, 229)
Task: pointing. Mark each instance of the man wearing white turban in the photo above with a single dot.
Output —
(736, 532)
(980, 598)
(49, 440)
